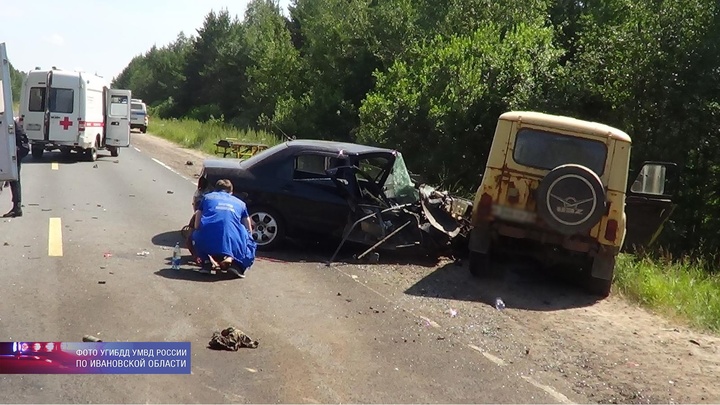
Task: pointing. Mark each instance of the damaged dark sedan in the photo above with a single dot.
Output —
(352, 193)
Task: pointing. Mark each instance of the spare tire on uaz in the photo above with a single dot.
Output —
(571, 199)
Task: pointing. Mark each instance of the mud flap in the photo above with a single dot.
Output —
(603, 266)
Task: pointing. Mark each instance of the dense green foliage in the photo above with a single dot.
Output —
(432, 80)
(16, 80)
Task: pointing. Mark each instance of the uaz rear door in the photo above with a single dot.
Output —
(649, 204)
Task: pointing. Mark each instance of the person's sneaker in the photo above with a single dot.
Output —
(239, 273)
(206, 268)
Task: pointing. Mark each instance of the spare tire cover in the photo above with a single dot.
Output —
(571, 199)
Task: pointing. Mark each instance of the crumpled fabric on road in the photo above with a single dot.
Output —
(232, 339)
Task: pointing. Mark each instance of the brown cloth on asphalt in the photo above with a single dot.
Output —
(231, 339)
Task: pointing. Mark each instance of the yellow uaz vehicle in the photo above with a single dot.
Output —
(556, 187)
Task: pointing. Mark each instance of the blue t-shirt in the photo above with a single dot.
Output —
(221, 229)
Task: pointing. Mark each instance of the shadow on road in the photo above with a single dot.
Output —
(73, 158)
(191, 273)
(168, 239)
(524, 285)
(295, 251)
(322, 251)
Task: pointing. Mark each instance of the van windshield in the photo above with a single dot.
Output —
(136, 106)
(547, 150)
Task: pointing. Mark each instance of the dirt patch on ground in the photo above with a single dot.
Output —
(609, 351)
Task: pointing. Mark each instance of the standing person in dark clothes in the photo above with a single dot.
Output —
(23, 148)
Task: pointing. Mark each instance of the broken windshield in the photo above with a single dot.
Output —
(399, 186)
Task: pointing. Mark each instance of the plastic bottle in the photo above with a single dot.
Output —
(176, 257)
(499, 304)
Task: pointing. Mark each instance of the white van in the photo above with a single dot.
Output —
(70, 110)
(138, 115)
(8, 150)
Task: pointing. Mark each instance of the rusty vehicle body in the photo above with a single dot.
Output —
(556, 187)
(313, 189)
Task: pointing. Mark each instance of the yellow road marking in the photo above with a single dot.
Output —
(55, 247)
(54, 165)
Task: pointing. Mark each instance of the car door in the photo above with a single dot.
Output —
(648, 204)
(8, 151)
(311, 198)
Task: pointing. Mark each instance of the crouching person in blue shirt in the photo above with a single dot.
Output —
(223, 232)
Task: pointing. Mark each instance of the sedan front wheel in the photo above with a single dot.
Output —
(268, 229)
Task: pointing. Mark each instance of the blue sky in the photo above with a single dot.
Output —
(98, 36)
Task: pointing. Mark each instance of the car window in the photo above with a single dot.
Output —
(314, 166)
(546, 150)
(61, 100)
(373, 168)
(37, 99)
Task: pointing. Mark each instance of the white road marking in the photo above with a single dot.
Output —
(55, 247)
(494, 359)
(137, 149)
(171, 169)
(550, 390)
(430, 322)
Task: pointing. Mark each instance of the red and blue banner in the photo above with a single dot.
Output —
(95, 357)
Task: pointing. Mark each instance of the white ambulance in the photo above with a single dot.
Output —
(8, 151)
(69, 110)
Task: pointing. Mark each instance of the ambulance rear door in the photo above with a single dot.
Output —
(118, 118)
(8, 151)
(65, 91)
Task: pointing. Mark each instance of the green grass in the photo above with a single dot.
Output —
(680, 289)
(203, 135)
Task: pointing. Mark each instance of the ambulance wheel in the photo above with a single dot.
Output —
(37, 152)
(114, 152)
(143, 129)
(91, 154)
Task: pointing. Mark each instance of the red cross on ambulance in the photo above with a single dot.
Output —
(66, 123)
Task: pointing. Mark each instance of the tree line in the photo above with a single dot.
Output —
(431, 81)
(17, 78)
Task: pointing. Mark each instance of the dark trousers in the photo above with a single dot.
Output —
(16, 189)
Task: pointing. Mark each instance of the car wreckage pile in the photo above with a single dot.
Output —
(313, 189)
(436, 222)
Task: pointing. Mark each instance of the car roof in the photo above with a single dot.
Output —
(315, 145)
(568, 123)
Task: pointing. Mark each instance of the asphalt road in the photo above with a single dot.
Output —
(324, 337)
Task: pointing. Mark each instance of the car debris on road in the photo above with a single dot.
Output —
(231, 339)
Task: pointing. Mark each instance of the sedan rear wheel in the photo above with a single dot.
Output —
(268, 230)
